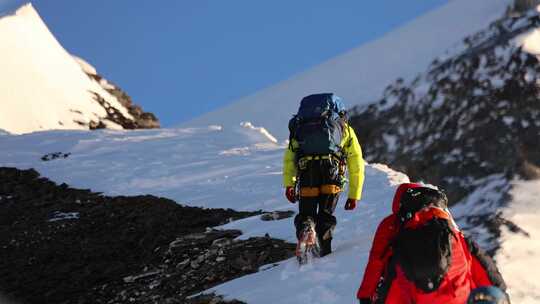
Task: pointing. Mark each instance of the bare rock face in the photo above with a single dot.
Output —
(470, 121)
(524, 5)
(210, 299)
(65, 245)
(140, 120)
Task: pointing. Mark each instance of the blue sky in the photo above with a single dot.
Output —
(180, 59)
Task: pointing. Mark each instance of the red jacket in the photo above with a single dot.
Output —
(380, 250)
(470, 267)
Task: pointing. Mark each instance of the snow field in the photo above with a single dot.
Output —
(519, 258)
(189, 166)
(193, 166)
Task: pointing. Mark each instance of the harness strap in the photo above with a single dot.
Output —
(303, 161)
(316, 157)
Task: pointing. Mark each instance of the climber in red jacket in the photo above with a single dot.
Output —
(463, 266)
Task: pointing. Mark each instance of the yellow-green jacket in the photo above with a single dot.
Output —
(355, 163)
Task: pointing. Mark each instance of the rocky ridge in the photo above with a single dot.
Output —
(524, 5)
(65, 245)
(470, 123)
(138, 120)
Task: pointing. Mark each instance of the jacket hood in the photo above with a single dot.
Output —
(399, 193)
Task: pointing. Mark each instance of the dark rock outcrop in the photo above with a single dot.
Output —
(524, 5)
(65, 245)
(55, 155)
(138, 120)
(141, 119)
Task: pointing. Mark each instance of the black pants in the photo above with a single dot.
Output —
(319, 209)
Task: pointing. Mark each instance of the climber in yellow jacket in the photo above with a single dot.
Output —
(319, 177)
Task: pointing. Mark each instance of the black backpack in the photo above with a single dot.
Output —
(318, 127)
(424, 253)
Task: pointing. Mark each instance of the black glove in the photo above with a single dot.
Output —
(364, 301)
(350, 205)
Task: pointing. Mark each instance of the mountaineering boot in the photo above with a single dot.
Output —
(325, 247)
(308, 244)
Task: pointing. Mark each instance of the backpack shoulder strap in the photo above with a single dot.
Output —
(486, 262)
(293, 125)
(385, 282)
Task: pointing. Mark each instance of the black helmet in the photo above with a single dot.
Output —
(414, 199)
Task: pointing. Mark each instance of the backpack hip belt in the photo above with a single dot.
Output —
(316, 191)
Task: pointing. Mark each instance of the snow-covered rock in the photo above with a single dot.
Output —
(43, 87)
(466, 117)
(470, 124)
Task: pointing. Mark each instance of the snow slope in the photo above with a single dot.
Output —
(236, 168)
(360, 75)
(240, 168)
(41, 85)
(332, 279)
(520, 247)
(211, 166)
(520, 253)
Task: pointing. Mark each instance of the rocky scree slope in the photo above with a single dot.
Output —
(470, 123)
(65, 245)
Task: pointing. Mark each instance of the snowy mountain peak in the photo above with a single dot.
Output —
(44, 87)
(26, 9)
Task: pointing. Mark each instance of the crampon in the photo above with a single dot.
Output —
(308, 245)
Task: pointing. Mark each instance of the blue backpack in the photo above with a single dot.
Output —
(318, 127)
